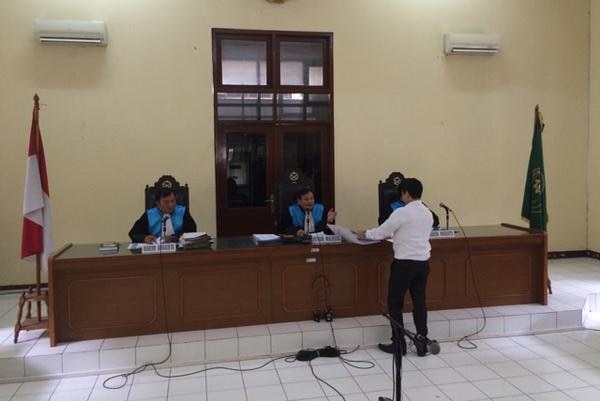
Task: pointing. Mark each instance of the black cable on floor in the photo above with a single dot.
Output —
(324, 382)
(170, 376)
(466, 338)
(143, 367)
(288, 358)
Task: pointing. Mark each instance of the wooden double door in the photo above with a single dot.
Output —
(250, 158)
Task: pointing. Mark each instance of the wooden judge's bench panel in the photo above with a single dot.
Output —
(237, 283)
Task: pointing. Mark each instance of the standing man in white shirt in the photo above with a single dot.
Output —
(409, 227)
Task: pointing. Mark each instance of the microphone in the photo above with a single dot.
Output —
(165, 217)
(444, 206)
(433, 347)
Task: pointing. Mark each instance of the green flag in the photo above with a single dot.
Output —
(534, 199)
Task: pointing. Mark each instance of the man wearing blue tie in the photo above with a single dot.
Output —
(306, 216)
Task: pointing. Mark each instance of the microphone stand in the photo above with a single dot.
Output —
(447, 218)
(398, 329)
(447, 209)
(164, 229)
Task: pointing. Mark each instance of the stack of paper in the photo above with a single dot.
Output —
(109, 247)
(195, 240)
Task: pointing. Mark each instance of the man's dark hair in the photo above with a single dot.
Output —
(412, 186)
(161, 193)
(302, 192)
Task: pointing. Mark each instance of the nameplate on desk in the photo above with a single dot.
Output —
(159, 248)
(321, 239)
(442, 234)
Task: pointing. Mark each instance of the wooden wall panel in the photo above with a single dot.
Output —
(498, 276)
(112, 303)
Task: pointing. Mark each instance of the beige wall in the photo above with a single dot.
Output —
(594, 139)
(118, 117)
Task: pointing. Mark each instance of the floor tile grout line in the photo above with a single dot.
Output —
(279, 377)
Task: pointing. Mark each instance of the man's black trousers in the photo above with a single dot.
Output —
(409, 275)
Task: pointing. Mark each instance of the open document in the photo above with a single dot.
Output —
(348, 235)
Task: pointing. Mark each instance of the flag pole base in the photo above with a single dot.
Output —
(31, 323)
(28, 298)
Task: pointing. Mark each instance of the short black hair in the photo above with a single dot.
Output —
(412, 186)
(163, 192)
(302, 192)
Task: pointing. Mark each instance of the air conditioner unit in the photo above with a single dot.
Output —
(71, 32)
(471, 43)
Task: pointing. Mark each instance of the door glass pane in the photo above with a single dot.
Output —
(302, 150)
(246, 170)
(303, 107)
(301, 63)
(244, 62)
(245, 106)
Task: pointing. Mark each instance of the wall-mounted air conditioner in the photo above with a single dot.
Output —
(471, 43)
(70, 32)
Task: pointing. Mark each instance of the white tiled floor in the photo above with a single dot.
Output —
(545, 367)
(453, 375)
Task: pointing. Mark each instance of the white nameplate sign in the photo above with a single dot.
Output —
(162, 248)
(321, 239)
(442, 234)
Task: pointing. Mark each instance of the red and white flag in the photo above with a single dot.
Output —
(37, 216)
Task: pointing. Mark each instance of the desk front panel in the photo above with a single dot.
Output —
(97, 296)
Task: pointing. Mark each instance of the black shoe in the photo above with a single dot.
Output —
(391, 347)
(421, 348)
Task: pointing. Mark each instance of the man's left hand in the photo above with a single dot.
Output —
(331, 215)
(361, 234)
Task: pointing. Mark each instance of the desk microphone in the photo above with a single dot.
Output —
(164, 224)
(447, 209)
(444, 206)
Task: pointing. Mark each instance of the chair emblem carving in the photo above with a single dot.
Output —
(167, 181)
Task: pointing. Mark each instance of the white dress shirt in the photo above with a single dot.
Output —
(409, 227)
(309, 222)
(169, 228)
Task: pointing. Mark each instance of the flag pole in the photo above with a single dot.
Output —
(29, 296)
(38, 287)
(38, 267)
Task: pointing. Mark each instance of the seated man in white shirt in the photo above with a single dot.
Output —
(409, 227)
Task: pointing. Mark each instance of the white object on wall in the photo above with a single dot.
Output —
(471, 43)
(70, 32)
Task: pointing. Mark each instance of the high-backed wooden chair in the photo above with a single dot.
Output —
(388, 194)
(182, 193)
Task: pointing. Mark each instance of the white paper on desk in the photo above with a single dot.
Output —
(193, 235)
(348, 235)
(265, 237)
